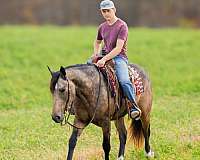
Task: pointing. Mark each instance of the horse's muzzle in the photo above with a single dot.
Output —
(57, 118)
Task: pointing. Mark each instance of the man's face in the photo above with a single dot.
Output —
(108, 14)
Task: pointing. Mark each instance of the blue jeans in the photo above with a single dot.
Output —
(121, 66)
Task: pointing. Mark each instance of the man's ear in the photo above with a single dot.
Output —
(62, 72)
(114, 10)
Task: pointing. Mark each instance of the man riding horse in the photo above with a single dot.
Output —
(81, 87)
(114, 33)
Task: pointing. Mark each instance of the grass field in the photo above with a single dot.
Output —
(170, 56)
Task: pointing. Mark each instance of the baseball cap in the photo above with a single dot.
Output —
(107, 4)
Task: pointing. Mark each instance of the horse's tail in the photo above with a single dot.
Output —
(136, 133)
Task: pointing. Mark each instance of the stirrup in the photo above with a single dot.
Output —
(135, 114)
(137, 111)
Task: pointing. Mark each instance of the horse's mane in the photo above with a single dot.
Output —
(54, 79)
(79, 66)
(82, 67)
(55, 75)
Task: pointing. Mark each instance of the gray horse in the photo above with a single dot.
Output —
(83, 89)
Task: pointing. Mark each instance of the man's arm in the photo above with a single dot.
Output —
(115, 51)
(112, 54)
(97, 47)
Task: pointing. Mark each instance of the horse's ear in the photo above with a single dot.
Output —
(62, 72)
(50, 70)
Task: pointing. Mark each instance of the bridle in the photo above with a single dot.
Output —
(69, 106)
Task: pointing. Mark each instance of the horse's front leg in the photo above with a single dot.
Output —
(73, 139)
(122, 137)
(106, 140)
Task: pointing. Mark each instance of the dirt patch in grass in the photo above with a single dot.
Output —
(190, 138)
(89, 154)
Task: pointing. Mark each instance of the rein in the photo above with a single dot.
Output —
(66, 105)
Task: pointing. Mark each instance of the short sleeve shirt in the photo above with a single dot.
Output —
(110, 33)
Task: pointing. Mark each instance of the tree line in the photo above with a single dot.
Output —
(151, 13)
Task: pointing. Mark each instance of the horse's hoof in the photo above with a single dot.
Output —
(150, 154)
(120, 158)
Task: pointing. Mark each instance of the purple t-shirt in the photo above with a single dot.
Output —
(110, 33)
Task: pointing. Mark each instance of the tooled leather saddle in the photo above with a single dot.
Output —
(109, 74)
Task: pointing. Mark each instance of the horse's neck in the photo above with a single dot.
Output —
(85, 83)
(80, 78)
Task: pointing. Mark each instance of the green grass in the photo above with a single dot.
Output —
(170, 56)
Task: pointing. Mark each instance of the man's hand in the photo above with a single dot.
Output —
(94, 58)
(101, 63)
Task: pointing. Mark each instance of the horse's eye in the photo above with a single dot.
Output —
(62, 90)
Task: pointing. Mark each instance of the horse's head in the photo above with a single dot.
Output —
(63, 92)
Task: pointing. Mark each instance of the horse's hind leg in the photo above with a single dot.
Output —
(122, 137)
(73, 139)
(106, 140)
(145, 103)
(146, 132)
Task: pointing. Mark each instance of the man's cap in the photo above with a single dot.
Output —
(107, 4)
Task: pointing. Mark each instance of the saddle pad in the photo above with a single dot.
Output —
(136, 80)
(109, 73)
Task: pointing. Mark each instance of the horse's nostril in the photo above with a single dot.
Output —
(58, 117)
